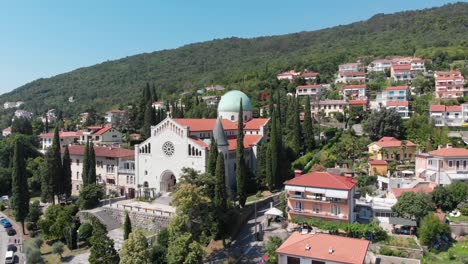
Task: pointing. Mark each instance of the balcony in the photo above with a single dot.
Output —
(126, 171)
(316, 199)
(319, 214)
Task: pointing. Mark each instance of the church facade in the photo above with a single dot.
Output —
(178, 143)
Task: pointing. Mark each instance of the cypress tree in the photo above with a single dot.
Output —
(261, 165)
(270, 104)
(220, 185)
(297, 134)
(85, 169)
(67, 174)
(309, 139)
(212, 157)
(274, 150)
(91, 165)
(154, 116)
(57, 160)
(19, 185)
(269, 182)
(148, 118)
(127, 226)
(240, 161)
(154, 94)
(46, 126)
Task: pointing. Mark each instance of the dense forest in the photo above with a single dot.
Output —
(251, 64)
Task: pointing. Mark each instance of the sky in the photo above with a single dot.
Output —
(40, 39)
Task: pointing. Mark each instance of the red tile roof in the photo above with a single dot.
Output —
(102, 131)
(378, 162)
(249, 141)
(401, 67)
(8, 129)
(399, 191)
(397, 103)
(111, 152)
(199, 142)
(358, 102)
(323, 180)
(309, 86)
(116, 111)
(62, 134)
(354, 86)
(207, 124)
(255, 123)
(453, 108)
(390, 88)
(387, 142)
(344, 249)
(437, 108)
(450, 152)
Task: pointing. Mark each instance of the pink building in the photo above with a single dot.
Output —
(443, 166)
(449, 84)
(321, 195)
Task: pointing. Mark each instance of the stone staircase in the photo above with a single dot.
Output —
(110, 222)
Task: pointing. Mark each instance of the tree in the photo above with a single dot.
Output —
(58, 248)
(183, 249)
(20, 190)
(21, 125)
(261, 165)
(220, 186)
(135, 249)
(127, 226)
(92, 165)
(90, 196)
(36, 169)
(272, 245)
(384, 123)
(309, 138)
(433, 232)
(442, 198)
(102, 247)
(67, 174)
(413, 205)
(57, 165)
(85, 231)
(273, 170)
(296, 130)
(33, 254)
(85, 168)
(148, 118)
(241, 175)
(35, 212)
(212, 158)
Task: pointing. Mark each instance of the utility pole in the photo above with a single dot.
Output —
(255, 220)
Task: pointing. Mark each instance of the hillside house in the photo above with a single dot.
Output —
(390, 148)
(314, 91)
(449, 84)
(351, 77)
(443, 166)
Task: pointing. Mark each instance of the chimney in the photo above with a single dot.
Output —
(330, 250)
(307, 247)
(449, 145)
(439, 146)
(297, 173)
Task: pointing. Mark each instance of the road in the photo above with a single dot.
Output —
(5, 240)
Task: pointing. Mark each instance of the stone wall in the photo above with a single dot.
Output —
(459, 229)
(140, 219)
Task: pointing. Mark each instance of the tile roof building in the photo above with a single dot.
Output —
(390, 148)
(449, 84)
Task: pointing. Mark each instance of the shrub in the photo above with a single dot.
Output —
(57, 248)
(33, 255)
(37, 242)
(2, 207)
(392, 252)
(86, 231)
(464, 211)
(31, 226)
(272, 245)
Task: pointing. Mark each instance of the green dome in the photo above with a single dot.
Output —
(230, 102)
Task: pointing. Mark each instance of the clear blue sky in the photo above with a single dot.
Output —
(44, 38)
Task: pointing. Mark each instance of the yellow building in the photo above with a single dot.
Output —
(378, 167)
(390, 148)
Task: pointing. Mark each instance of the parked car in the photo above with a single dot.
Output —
(10, 231)
(6, 224)
(10, 257)
(4, 198)
(12, 247)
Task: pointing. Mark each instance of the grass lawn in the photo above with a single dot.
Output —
(457, 254)
(33, 199)
(397, 241)
(50, 258)
(254, 197)
(461, 218)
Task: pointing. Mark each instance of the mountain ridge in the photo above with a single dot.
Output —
(249, 63)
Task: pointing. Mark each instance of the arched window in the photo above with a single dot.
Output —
(149, 147)
(189, 150)
(232, 117)
(145, 184)
(193, 151)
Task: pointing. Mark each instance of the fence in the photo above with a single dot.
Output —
(132, 208)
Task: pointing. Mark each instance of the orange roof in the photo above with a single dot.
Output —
(310, 74)
(390, 88)
(399, 191)
(397, 103)
(7, 129)
(323, 180)
(354, 86)
(358, 102)
(309, 86)
(102, 130)
(207, 124)
(378, 162)
(437, 108)
(117, 111)
(352, 73)
(199, 142)
(386, 142)
(401, 67)
(343, 249)
(249, 141)
(454, 108)
(450, 152)
(62, 134)
(111, 152)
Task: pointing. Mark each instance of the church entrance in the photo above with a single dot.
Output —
(168, 181)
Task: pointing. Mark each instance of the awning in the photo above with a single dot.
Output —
(336, 194)
(315, 190)
(274, 211)
(407, 172)
(294, 188)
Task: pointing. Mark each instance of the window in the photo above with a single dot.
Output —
(298, 206)
(77, 187)
(78, 162)
(336, 210)
(77, 175)
(457, 164)
(97, 137)
(450, 164)
(232, 117)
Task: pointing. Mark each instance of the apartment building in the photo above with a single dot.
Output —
(327, 108)
(115, 169)
(314, 91)
(390, 148)
(351, 67)
(443, 166)
(309, 76)
(449, 84)
(380, 65)
(100, 135)
(66, 138)
(453, 115)
(351, 77)
(357, 91)
(321, 195)
(401, 72)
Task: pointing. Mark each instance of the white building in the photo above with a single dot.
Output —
(328, 108)
(23, 113)
(380, 65)
(101, 135)
(115, 169)
(443, 166)
(183, 143)
(309, 76)
(312, 90)
(8, 105)
(396, 93)
(288, 75)
(351, 67)
(115, 115)
(159, 105)
(402, 107)
(210, 100)
(357, 91)
(448, 115)
(350, 77)
(401, 72)
(6, 131)
(66, 138)
(214, 87)
(449, 84)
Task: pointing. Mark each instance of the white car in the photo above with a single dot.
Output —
(10, 257)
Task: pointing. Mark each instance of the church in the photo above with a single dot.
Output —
(178, 143)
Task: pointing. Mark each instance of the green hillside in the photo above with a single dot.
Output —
(250, 64)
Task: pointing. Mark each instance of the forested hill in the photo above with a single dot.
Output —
(249, 63)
